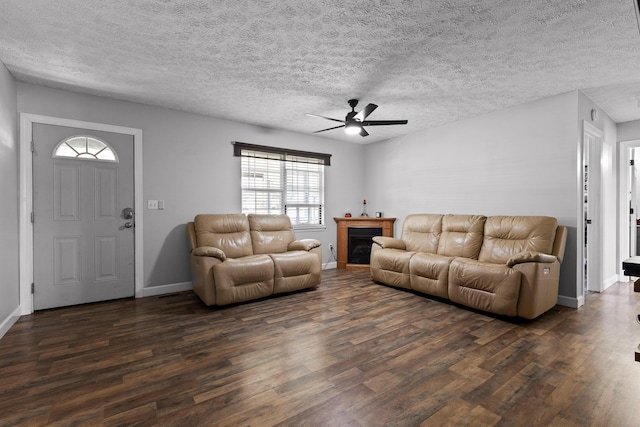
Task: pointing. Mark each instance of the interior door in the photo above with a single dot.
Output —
(83, 216)
(592, 177)
(633, 197)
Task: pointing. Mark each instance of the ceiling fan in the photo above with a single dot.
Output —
(354, 123)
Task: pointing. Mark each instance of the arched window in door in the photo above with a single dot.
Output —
(85, 147)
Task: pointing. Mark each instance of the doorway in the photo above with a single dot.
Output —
(83, 218)
(629, 203)
(591, 248)
(27, 123)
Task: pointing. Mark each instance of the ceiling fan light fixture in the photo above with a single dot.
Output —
(352, 128)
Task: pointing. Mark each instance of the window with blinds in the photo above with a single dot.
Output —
(276, 181)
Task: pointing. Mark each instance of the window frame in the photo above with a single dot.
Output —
(287, 160)
(81, 156)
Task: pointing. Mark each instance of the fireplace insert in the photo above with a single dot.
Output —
(359, 243)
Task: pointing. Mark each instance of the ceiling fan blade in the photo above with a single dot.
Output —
(384, 122)
(323, 117)
(341, 126)
(363, 132)
(362, 115)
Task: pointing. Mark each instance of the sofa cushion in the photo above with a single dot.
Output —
(270, 233)
(391, 266)
(485, 286)
(421, 232)
(243, 279)
(461, 235)
(228, 232)
(295, 270)
(506, 236)
(429, 273)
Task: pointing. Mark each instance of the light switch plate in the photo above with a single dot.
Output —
(152, 204)
(161, 204)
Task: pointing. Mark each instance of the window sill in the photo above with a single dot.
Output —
(309, 227)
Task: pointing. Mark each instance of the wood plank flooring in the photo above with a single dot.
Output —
(349, 353)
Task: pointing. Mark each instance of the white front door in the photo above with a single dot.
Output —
(83, 217)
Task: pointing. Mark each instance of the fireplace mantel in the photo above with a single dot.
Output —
(358, 222)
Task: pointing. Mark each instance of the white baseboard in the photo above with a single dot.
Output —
(166, 289)
(570, 301)
(9, 321)
(330, 265)
(610, 281)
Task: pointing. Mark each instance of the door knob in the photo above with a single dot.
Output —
(127, 213)
(128, 224)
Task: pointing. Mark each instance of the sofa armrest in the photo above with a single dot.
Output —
(389, 242)
(303, 245)
(209, 251)
(529, 256)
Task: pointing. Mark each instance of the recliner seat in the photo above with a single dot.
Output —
(236, 258)
(507, 265)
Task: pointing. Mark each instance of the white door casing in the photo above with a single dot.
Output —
(633, 203)
(624, 189)
(591, 250)
(83, 244)
(26, 199)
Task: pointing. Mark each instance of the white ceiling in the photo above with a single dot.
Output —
(268, 62)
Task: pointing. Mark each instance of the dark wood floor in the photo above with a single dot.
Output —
(349, 353)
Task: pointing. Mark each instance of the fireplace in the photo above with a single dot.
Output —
(359, 243)
(354, 239)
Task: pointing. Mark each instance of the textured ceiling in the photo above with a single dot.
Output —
(268, 62)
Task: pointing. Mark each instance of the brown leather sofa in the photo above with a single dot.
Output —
(236, 258)
(507, 265)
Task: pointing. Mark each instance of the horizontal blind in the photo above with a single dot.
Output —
(274, 183)
(262, 180)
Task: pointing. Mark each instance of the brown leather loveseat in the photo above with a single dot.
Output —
(507, 265)
(236, 258)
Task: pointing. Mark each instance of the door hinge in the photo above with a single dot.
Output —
(33, 217)
(33, 288)
(632, 162)
(33, 147)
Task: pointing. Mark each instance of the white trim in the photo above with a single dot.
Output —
(608, 282)
(595, 255)
(304, 228)
(26, 198)
(623, 200)
(9, 321)
(570, 301)
(167, 289)
(330, 265)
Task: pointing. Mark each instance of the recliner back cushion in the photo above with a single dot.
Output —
(505, 236)
(461, 235)
(421, 232)
(270, 234)
(228, 232)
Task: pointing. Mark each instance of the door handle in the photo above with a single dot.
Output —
(127, 213)
(128, 224)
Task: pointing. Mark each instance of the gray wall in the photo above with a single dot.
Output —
(188, 162)
(9, 271)
(629, 131)
(517, 161)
